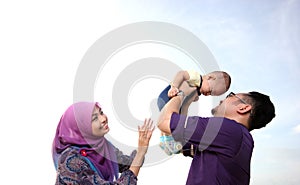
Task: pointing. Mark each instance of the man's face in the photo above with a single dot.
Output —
(219, 110)
(228, 106)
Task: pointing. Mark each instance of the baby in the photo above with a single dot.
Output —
(192, 84)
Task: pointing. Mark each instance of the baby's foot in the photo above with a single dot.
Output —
(169, 145)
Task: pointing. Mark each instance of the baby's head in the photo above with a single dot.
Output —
(215, 83)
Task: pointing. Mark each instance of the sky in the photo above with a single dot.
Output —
(43, 43)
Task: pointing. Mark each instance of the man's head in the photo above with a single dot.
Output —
(215, 83)
(254, 110)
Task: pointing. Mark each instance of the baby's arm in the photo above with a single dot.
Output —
(180, 77)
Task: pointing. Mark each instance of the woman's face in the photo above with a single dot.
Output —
(99, 122)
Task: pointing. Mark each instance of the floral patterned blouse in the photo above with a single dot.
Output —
(84, 173)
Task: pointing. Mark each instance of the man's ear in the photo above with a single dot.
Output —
(244, 108)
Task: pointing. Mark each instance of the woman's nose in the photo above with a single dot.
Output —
(103, 118)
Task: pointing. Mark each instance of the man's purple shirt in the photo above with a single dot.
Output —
(224, 149)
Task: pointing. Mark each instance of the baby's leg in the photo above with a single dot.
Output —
(163, 98)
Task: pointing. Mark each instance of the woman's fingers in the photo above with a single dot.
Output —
(148, 125)
(146, 130)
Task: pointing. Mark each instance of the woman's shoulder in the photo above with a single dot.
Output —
(73, 160)
(72, 167)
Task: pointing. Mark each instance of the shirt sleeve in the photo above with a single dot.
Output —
(75, 169)
(183, 127)
(194, 80)
(124, 161)
(213, 134)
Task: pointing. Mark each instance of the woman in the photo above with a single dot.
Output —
(82, 155)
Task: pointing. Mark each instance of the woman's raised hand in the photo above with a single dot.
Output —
(145, 133)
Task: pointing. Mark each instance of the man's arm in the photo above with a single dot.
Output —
(187, 102)
(180, 77)
(165, 116)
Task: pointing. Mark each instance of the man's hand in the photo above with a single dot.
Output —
(173, 91)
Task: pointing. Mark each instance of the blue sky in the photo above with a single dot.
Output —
(42, 44)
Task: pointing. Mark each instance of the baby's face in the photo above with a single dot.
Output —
(213, 87)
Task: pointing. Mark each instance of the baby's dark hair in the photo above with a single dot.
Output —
(263, 110)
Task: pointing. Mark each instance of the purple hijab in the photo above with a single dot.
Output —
(75, 130)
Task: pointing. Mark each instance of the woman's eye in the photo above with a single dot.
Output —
(95, 118)
(101, 113)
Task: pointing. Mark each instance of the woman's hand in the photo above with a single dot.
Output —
(145, 133)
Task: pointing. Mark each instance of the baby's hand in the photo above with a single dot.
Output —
(173, 91)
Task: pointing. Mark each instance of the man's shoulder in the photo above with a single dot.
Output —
(226, 125)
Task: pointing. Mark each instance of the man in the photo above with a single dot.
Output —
(221, 145)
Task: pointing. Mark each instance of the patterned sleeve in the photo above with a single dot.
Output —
(124, 161)
(75, 169)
